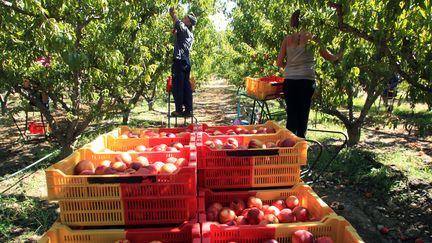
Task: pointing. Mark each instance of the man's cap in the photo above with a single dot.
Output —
(192, 18)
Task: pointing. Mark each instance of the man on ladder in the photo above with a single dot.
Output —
(181, 68)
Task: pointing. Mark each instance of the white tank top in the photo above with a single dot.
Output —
(300, 63)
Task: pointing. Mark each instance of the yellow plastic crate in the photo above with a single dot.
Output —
(186, 232)
(262, 88)
(335, 227)
(91, 200)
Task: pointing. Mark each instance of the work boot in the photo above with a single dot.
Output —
(187, 114)
(176, 114)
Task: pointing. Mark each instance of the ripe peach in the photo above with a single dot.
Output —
(212, 214)
(292, 202)
(106, 162)
(269, 219)
(171, 160)
(254, 202)
(288, 142)
(217, 133)
(143, 160)
(216, 205)
(233, 142)
(272, 210)
(158, 165)
(286, 216)
(171, 135)
(271, 130)
(237, 205)
(100, 169)
(271, 145)
(255, 143)
(254, 216)
(135, 165)
(301, 214)
(168, 168)
(125, 157)
(180, 162)
(241, 220)
(218, 142)
(119, 166)
(171, 149)
(280, 204)
(109, 171)
(228, 146)
(261, 130)
(302, 236)
(177, 145)
(140, 148)
(83, 165)
(86, 172)
(226, 215)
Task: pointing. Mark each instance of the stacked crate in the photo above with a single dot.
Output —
(271, 173)
(139, 208)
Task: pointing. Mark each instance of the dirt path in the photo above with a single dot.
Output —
(215, 103)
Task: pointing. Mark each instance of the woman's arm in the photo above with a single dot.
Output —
(326, 54)
(282, 53)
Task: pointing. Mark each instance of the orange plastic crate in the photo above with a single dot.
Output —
(335, 227)
(224, 129)
(187, 232)
(318, 209)
(252, 168)
(262, 88)
(123, 199)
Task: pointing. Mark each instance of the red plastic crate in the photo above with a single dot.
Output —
(186, 232)
(123, 199)
(37, 127)
(252, 168)
(335, 227)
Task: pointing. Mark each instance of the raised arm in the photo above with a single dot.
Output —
(326, 54)
(173, 14)
(282, 53)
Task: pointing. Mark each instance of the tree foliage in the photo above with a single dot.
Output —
(379, 39)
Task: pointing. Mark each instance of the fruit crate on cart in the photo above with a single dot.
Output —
(334, 227)
(262, 88)
(186, 232)
(221, 166)
(143, 197)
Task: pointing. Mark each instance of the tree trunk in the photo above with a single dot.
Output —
(126, 113)
(4, 100)
(354, 132)
(66, 149)
(151, 105)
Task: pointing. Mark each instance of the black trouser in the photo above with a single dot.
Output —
(181, 87)
(298, 96)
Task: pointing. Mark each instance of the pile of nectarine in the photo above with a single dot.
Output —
(173, 147)
(255, 212)
(151, 134)
(240, 131)
(232, 143)
(304, 236)
(124, 165)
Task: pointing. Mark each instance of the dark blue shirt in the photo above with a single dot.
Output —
(183, 42)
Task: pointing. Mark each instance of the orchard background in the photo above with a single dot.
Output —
(108, 62)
